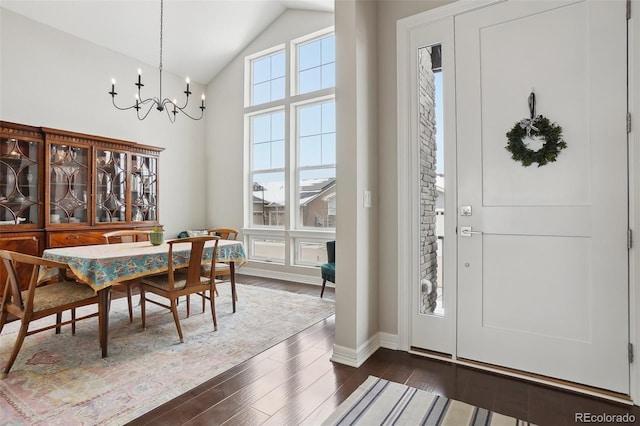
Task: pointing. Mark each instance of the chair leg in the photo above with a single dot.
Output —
(213, 310)
(143, 306)
(234, 294)
(324, 283)
(188, 305)
(129, 299)
(73, 321)
(59, 320)
(174, 311)
(3, 317)
(16, 348)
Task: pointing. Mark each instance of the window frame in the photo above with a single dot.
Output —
(292, 233)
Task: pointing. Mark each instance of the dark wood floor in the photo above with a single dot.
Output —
(295, 383)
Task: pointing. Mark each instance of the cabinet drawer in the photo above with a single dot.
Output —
(70, 238)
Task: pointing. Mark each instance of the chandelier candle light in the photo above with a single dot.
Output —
(166, 103)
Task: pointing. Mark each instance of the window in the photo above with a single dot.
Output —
(316, 64)
(291, 144)
(267, 78)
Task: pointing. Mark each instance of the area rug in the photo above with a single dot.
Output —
(381, 402)
(62, 379)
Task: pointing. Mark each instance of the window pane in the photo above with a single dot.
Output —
(267, 131)
(277, 89)
(328, 75)
(310, 151)
(261, 130)
(432, 183)
(261, 70)
(261, 156)
(311, 253)
(328, 49)
(261, 93)
(277, 154)
(328, 117)
(277, 125)
(268, 199)
(317, 198)
(277, 65)
(310, 120)
(309, 80)
(309, 55)
(317, 142)
(267, 249)
(267, 78)
(329, 149)
(316, 65)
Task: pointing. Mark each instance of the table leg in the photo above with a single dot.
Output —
(104, 298)
(232, 269)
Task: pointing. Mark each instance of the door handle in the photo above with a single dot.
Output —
(465, 231)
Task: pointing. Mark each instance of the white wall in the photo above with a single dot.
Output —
(225, 127)
(52, 79)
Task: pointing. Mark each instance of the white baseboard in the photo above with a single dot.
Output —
(388, 341)
(285, 276)
(355, 358)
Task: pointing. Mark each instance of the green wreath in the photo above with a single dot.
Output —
(536, 126)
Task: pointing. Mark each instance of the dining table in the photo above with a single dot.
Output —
(104, 265)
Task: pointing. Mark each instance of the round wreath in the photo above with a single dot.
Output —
(537, 126)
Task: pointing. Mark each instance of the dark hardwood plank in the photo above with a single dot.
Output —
(295, 382)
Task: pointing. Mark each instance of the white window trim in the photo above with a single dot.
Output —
(290, 102)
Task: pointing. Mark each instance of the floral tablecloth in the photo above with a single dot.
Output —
(103, 265)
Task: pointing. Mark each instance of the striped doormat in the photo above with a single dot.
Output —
(380, 402)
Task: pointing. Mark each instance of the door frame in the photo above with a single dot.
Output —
(407, 200)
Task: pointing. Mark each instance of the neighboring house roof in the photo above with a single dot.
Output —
(315, 188)
(274, 191)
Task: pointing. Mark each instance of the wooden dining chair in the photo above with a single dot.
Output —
(223, 270)
(127, 236)
(224, 233)
(182, 282)
(40, 299)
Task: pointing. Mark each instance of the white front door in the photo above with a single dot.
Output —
(543, 286)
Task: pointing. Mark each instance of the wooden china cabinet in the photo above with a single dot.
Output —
(61, 188)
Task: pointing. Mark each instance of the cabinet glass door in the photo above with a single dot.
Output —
(111, 186)
(18, 182)
(144, 188)
(69, 177)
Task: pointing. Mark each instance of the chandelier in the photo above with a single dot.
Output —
(170, 106)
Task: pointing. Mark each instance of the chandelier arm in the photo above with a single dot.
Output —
(146, 113)
(171, 119)
(193, 118)
(113, 99)
(182, 109)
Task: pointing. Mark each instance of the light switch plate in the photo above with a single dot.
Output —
(366, 199)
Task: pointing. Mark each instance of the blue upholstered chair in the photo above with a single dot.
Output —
(329, 268)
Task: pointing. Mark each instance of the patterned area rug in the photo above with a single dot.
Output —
(380, 402)
(62, 379)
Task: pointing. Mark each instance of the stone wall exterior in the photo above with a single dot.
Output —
(427, 141)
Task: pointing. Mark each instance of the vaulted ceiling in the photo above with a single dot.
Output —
(199, 37)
